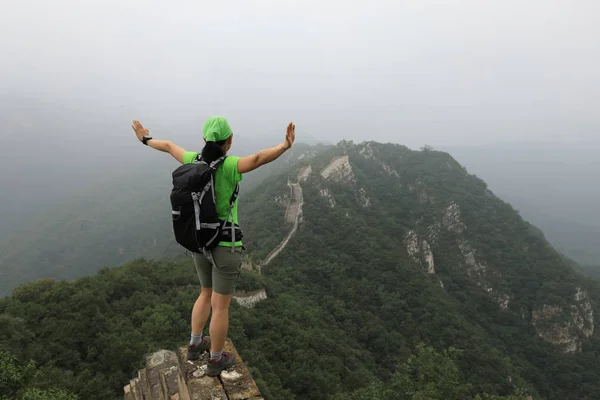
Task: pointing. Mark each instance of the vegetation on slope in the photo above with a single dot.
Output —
(348, 306)
(90, 335)
(17, 382)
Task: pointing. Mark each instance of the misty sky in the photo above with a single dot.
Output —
(413, 72)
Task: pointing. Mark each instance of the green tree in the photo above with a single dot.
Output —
(519, 395)
(428, 374)
(16, 381)
(431, 375)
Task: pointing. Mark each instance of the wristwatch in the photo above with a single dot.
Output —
(145, 139)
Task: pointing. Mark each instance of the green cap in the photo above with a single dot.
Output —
(216, 129)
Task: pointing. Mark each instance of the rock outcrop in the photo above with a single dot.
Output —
(169, 376)
(339, 169)
(419, 251)
(565, 327)
(325, 193)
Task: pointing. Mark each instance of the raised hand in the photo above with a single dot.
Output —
(290, 135)
(139, 130)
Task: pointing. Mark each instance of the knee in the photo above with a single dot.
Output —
(220, 302)
(206, 294)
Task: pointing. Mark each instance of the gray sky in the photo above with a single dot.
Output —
(74, 73)
(414, 72)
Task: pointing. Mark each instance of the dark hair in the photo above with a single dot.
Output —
(213, 150)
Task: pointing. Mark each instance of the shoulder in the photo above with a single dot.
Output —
(231, 162)
(230, 168)
(189, 156)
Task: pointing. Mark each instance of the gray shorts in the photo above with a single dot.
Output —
(224, 275)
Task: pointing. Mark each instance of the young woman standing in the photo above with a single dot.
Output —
(217, 281)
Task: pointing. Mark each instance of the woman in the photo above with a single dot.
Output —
(217, 282)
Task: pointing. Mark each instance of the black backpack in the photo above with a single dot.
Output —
(196, 225)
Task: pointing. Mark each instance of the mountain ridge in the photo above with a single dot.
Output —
(394, 247)
(453, 222)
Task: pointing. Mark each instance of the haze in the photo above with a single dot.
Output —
(73, 74)
(410, 71)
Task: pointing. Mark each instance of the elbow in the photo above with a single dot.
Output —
(249, 163)
(256, 162)
(259, 161)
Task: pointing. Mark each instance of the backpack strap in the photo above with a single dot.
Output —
(232, 200)
(234, 196)
(217, 163)
(214, 165)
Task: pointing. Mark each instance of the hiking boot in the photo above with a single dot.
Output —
(194, 352)
(214, 368)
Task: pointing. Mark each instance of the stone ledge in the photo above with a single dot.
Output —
(170, 376)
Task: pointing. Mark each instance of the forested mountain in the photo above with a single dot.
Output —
(551, 184)
(117, 219)
(406, 278)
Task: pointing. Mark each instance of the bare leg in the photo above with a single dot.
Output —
(201, 311)
(219, 323)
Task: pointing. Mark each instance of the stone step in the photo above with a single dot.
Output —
(234, 384)
(144, 385)
(194, 384)
(237, 381)
(155, 363)
(184, 393)
(135, 391)
(168, 382)
(128, 394)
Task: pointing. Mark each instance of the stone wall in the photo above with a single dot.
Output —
(169, 376)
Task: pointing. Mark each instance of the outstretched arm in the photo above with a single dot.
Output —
(250, 163)
(161, 145)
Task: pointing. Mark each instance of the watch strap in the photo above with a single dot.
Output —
(145, 139)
